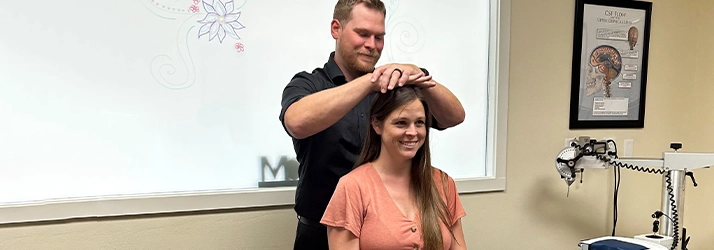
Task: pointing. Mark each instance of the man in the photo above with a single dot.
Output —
(324, 111)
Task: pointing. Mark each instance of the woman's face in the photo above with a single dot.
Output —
(403, 131)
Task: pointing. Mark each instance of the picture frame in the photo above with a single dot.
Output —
(609, 68)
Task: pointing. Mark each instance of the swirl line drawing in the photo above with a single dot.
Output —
(391, 8)
(404, 34)
(218, 20)
(163, 66)
(407, 36)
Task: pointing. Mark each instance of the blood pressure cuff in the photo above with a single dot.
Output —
(611, 244)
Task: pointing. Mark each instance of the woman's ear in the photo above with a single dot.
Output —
(376, 125)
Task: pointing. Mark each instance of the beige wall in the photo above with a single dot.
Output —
(534, 212)
(698, 105)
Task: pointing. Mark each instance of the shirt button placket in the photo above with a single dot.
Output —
(414, 229)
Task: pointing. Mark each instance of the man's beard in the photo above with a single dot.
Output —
(352, 61)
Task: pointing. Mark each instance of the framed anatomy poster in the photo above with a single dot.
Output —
(609, 75)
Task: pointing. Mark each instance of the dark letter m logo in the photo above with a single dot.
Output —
(290, 167)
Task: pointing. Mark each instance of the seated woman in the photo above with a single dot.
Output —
(394, 198)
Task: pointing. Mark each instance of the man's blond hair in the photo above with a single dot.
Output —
(343, 8)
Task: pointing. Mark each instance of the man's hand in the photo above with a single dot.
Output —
(389, 76)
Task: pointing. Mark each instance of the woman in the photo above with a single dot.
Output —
(394, 198)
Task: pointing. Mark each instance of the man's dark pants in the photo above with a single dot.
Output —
(310, 235)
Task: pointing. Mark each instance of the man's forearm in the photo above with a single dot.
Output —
(444, 105)
(318, 111)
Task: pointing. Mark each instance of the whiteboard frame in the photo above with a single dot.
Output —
(158, 203)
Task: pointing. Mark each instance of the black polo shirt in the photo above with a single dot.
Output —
(328, 155)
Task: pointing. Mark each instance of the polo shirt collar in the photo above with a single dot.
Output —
(334, 71)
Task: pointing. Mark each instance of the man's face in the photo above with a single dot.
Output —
(361, 39)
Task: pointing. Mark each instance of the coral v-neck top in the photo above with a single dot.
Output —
(362, 205)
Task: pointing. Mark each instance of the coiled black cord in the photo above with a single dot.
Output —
(670, 192)
(668, 179)
(629, 166)
(675, 215)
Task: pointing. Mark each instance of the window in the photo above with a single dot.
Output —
(114, 118)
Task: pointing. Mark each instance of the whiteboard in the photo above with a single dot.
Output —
(111, 98)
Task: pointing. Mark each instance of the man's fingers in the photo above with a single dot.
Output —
(377, 73)
(426, 84)
(403, 80)
(394, 80)
(422, 79)
(384, 82)
(391, 76)
(411, 78)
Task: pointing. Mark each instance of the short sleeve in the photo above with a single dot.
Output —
(435, 124)
(453, 201)
(346, 207)
(300, 86)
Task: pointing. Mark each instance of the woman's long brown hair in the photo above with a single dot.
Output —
(431, 207)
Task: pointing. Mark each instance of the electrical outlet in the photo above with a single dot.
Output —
(628, 148)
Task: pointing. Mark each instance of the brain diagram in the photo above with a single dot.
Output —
(605, 66)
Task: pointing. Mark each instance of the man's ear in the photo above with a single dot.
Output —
(376, 125)
(335, 28)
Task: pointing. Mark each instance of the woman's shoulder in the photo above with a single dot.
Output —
(359, 174)
(361, 170)
(443, 179)
(438, 174)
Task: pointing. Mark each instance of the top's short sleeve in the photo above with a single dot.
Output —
(454, 202)
(347, 207)
(300, 86)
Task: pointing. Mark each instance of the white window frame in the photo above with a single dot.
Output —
(497, 128)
